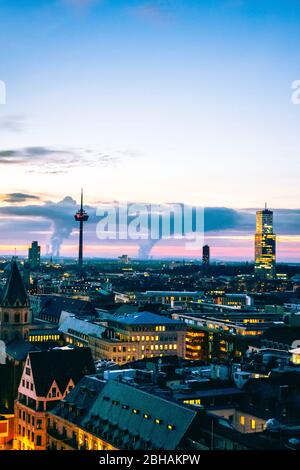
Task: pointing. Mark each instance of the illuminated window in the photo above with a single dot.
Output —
(242, 420)
(253, 424)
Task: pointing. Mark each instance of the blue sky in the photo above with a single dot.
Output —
(127, 97)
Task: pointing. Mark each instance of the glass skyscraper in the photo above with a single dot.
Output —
(265, 245)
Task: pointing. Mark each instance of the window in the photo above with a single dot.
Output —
(38, 440)
(253, 424)
(242, 420)
(53, 392)
(6, 318)
(17, 318)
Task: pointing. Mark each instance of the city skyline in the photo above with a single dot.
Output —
(143, 95)
(229, 233)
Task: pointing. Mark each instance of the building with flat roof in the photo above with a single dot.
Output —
(34, 255)
(223, 336)
(169, 297)
(265, 245)
(127, 338)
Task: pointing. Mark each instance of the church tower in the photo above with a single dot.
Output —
(15, 313)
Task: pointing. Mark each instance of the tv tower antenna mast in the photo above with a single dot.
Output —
(81, 216)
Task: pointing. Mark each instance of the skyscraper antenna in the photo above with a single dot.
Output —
(266, 206)
(81, 198)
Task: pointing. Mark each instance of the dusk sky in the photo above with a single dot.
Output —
(149, 101)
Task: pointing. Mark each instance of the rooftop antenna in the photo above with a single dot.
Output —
(266, 206)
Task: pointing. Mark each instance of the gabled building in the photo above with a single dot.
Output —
(120, 417)
(47, 378)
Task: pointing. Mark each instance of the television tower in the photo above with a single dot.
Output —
(81, 217)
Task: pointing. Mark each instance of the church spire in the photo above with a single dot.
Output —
(14, 292)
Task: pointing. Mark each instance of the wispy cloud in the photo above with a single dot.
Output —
(81, 5)
(12, 123)
(158, 12)
(18, 197)
(52, 160)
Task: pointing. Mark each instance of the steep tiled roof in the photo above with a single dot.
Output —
(126, 414)
(14, 294)
(60, 365)
(53, 305)
(82, 397)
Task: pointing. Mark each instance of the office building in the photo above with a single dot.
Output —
(265, 245)
(34, 255)
(127, 338)
(205, 256)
